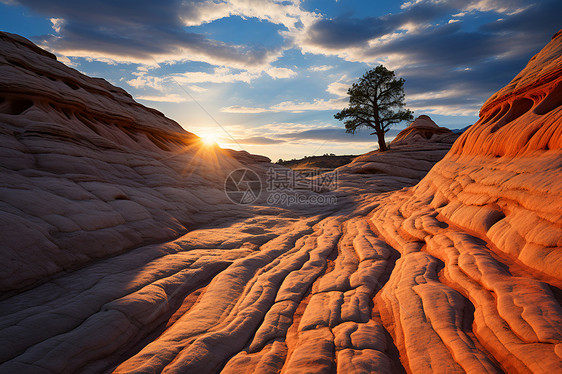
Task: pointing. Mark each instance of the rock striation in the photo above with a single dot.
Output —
(424, 129)
(412, 153)
(483, 234)
(87, 172)
(122, 253)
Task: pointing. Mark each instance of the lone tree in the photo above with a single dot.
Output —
(376, 101)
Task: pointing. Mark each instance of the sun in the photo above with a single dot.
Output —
(208, 139)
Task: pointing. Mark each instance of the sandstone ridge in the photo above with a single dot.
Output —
(88, 172)
(122, 253)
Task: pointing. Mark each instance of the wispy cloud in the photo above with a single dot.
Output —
(320, 68)
(280, 73)
(291, 106)
(170, 98)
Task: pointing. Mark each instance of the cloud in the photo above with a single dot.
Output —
(147, 30)
(219, 75)
(435, 55)
(195, 88)
(170, 98)
(143, 80)
(243, 109)
(436, 45)
(259, 140)
(335, 134)
(279, 73)
(286, 13)
(291, 106)
(320, 68)
(339, 88)
(317, 104)
(329, 134)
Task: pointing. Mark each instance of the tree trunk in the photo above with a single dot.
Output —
(382, 143)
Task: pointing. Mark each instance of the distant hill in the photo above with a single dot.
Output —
(327, 161)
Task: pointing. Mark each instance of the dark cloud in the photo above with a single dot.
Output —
(259, 140)
(334, 135)
(346, 31)
(137, 30)
(473, 61)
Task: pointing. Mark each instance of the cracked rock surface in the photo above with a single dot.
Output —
(121, 252)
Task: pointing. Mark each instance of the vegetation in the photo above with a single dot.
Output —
(376, 102)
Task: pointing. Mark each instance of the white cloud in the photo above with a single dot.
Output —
(446, 110)
(195, 88)
(291, 106)
(339, 88)
(170, 98)
(243, 109)
(143, 80)
(320, 68)
(279, 73)
(57, 24)
(318, 104)
(436, 95)
(219, 75)
(286, 13)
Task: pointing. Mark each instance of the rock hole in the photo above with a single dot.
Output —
(87, 123)
(551, 101)
(66, 113)
(15, 107)
(72, 85)
(51, 78)
(121, 197)
(517, 109)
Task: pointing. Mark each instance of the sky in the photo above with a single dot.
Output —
(267, 76)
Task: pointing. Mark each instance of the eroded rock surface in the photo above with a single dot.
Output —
(87, 172)
(412, 153)
(460, 273)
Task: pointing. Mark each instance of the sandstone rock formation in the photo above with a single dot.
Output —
(480, 239)
(412, 153)
(422, 129)
(460, 273)
(87, 172)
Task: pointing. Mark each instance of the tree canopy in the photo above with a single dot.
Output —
(376, 102)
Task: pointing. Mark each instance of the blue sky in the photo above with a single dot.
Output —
(271, 73)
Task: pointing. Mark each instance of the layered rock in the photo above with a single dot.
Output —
(87, 172)
(484, 233)
(424, 129)
(412, 153)
(457, 274)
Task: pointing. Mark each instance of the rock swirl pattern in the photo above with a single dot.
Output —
(121, 252)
